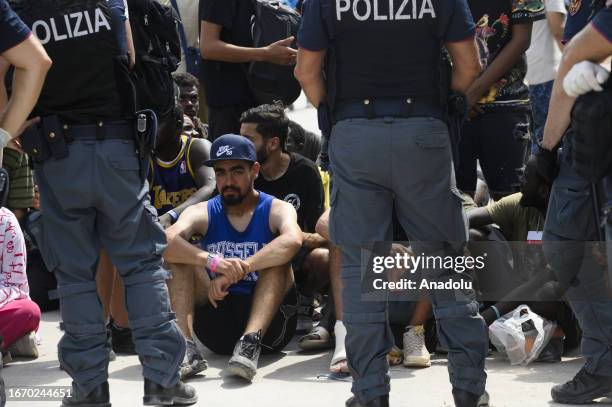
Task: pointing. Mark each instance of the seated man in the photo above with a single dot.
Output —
(189, 96)
(178, 176)
(294, 179)
(249, 239)
(520, 217)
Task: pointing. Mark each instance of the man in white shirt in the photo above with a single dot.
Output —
(543, 58)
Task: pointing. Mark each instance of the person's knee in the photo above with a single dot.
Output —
(29, 313)
(316, 262)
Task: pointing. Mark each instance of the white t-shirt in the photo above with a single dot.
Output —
(543, 55)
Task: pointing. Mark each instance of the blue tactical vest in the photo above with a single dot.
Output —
(222, 238)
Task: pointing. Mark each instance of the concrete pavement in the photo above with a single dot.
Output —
(292, 378)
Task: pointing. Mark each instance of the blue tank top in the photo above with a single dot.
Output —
(222, 238)
(172, 183)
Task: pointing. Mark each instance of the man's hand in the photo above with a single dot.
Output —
(165, 220)
(585, 77)
(546, 163)
(218, 290)
(234, 270)
(280, 53)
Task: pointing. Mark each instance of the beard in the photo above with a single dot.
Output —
(232, 200)
(262, 156)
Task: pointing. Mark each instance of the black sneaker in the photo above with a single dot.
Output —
(246, 355)
(194, 361)
(121, 340)
(552, 351)
(180, 395)
(582, 389)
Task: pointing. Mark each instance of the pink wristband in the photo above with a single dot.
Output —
(215, 262)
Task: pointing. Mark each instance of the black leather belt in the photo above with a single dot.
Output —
(376, 108)
(110, 130)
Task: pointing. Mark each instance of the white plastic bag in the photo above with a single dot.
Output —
(508, 337)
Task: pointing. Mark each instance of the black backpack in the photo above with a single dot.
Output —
(272, 21)
(155, 30)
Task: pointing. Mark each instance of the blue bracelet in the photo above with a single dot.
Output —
(173, 215)
(494, 308)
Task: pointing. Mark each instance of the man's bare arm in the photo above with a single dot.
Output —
(588, 45)
(283, 220)
(31, 64)
(466, 63)
(479, 217)
(556, 24)
(193, 220)
(313, 240)
(204, 175)
(4, 67)
(309, 72)
(213, 48)
(322, 227)
(507, 58)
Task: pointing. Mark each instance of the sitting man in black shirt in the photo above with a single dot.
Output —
(294, 179)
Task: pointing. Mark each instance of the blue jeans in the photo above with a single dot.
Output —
(540, 98)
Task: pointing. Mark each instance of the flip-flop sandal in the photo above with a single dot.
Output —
(395, 356)
(340, 367)
(318, 338)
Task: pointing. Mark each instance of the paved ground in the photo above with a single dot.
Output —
(293, 379)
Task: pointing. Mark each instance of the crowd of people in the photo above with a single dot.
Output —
(242, 229)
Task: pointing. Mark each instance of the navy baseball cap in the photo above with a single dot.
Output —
(231, 147)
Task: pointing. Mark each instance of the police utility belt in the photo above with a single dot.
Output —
(372, 108)
(50, 137)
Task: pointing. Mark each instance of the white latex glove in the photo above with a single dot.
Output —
(584, 77)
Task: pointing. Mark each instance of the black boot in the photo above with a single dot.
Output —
(382, 401)
(464, 398)
(98, 397)
(180, 395)
(582, 389)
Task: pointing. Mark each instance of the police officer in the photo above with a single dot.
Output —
(571, 219)
(93, 194)
(390, 146)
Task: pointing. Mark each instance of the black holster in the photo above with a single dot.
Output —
(45, 139)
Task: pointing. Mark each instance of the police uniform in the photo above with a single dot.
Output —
(570, 222)
(389, 147)
(93, 195)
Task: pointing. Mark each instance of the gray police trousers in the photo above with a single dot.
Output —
(96, 198)
(404, 162)
(570, 220)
